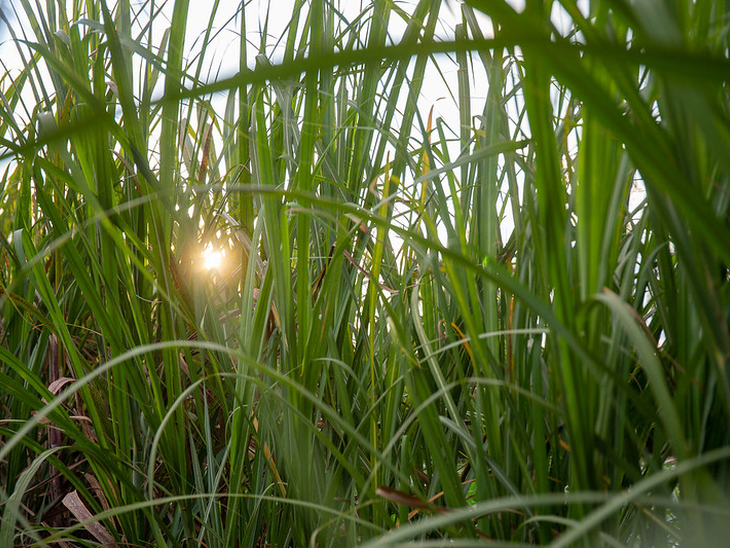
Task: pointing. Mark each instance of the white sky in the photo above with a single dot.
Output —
(223, 46)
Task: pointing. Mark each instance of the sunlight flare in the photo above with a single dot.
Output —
(212, 258)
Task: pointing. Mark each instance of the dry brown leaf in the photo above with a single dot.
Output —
(401, 497)
(97, 490)
(56, 386)
(270, 459)
(73, 502)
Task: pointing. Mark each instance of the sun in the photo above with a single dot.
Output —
(212, 259)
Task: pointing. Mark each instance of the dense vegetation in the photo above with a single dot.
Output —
(510, 325)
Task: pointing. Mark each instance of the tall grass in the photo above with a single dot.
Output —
(511, 325)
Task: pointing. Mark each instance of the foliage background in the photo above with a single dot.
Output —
(426, 329)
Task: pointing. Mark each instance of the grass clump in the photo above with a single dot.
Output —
(506, 322)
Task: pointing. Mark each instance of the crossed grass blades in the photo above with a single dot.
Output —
(511, 325)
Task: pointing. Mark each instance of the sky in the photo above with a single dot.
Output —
(223, 45)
